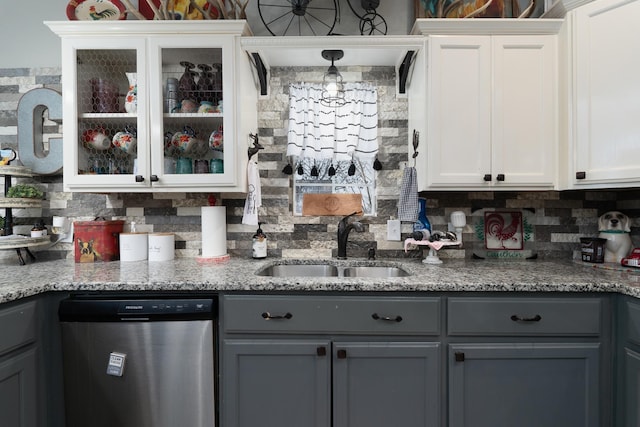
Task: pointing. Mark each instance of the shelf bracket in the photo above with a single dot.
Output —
(403, 71)
(260, 71)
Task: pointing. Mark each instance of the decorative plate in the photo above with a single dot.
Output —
(95, 10)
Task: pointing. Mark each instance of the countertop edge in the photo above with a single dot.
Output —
(238, 275)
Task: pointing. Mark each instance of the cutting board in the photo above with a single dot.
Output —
(331, 204)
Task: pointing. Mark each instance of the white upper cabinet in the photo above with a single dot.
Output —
(491, 106)
(604, 137)
(188, 138)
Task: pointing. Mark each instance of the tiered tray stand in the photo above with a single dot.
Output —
(18, 242)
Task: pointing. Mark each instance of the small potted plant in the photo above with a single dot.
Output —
(24, 191)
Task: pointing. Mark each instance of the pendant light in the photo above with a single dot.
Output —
(332, 86)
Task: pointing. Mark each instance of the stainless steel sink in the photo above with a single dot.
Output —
(300, 270)
(375, 271)
(330, 270)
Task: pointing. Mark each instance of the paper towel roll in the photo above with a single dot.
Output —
(133, 246)
(161, 246)
(214, 231)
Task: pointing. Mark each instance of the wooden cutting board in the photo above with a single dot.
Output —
(331, 204)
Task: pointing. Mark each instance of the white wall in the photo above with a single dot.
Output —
(26, 42)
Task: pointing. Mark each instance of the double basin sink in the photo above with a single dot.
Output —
(326, 269)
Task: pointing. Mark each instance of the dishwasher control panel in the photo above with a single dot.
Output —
(164, 307)
(138, 309)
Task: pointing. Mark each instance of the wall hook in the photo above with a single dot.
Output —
(256, 145)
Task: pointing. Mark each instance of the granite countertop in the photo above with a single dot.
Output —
(238, 274)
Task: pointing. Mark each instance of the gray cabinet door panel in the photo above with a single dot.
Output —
(18, 390)
(632, 321)
(18, 326)
(631, 388)
(275, 383)
(524, 385)
(382, 384)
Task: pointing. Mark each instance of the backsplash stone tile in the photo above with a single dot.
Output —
(560, 218)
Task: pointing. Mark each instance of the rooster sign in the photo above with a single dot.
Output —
(503, 230)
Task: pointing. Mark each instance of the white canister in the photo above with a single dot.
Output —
(133, 246)
(161, 246)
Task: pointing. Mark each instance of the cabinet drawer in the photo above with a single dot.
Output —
(523, 316)
(17, 326)
(330, 315)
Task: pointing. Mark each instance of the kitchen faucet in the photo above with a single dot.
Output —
(344, 227)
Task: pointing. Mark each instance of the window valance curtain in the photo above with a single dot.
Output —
(321, 132)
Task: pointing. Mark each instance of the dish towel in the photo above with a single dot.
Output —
(254, 195)
(408, 202)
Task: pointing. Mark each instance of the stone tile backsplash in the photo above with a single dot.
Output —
(560, 218)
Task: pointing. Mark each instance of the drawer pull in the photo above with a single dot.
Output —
(375, 316)
(535, 318)
(268, 316)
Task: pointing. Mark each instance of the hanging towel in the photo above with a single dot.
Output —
(408, 202)
(254, 195)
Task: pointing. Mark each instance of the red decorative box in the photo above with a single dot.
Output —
(97, 240)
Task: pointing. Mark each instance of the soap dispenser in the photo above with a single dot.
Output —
(259, 246)
(422, 224)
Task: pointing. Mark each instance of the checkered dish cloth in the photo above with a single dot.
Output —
(408, 202)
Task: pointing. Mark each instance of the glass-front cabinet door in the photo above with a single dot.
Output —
(102, 128)
(193, 97)
(151, 106)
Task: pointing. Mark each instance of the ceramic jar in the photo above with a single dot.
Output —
(126, 140)
(216, 139)
(184, 141)
(96, 139)
(131, 99)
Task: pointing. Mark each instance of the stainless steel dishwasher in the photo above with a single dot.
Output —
(139, 362)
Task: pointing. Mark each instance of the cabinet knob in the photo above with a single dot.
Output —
(139, 178)
(321, 351)
(581, 175)
(154, 178)
(500, 177)
(487, 177)
(459, 356)
(342, 353)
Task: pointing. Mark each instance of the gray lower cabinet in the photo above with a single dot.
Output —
(280, 383)
(18, 366)
(631, 393)
(31, 363)
(448, 360)
(528, 361)
(628, 363)
(318, 361)
(524, 385)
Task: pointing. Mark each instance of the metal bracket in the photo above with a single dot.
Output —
(260, 71)
(403, 71)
